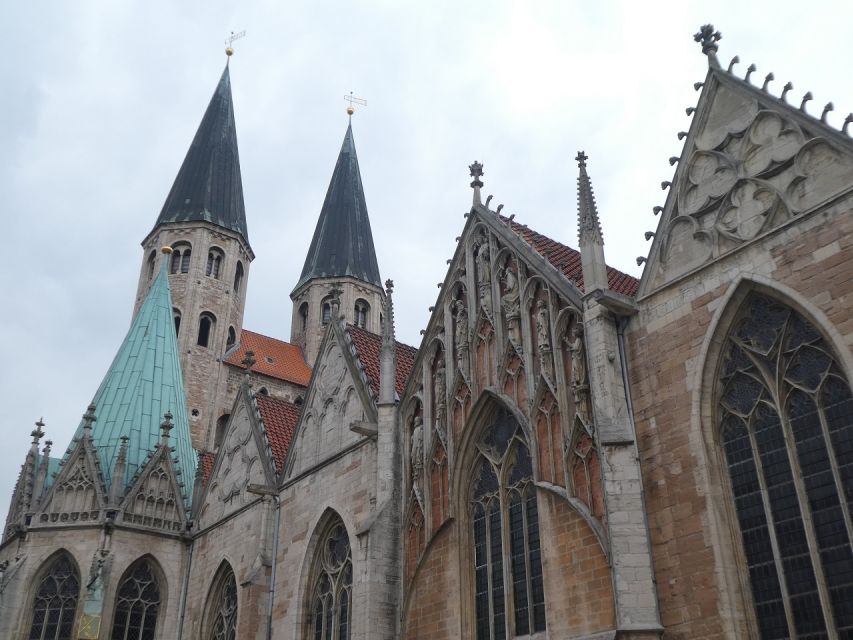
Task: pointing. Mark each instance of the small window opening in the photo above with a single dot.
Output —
(263, 391)
(298, 401)
(177, 315)
(205, 327)
(327, 313)
(219, 434)
(361, 311)
(232, 338)
(152, 258)
(214, 262)
(303, 316)
(238, 277)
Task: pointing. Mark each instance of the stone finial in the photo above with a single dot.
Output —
(749, 71)
(47, 445)
(581, 158)
(249, 361)
(788, 86)
(806, 98)
(38, 432)
(88, 419)
(389, 286)
(709, 38)
(122, 449)
(767, 80)
(829, 107)
(476, 172)
(166, 426)
(589, 227)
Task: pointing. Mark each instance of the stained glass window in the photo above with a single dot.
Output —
(137, 604)
(786, 420)
(55, 602)
(223, 607)
(331, 599)
(505, 525)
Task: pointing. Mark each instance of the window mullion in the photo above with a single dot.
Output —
(527, 568)
(488, 552)
(808, 523)
(771, 530)
(836, 473)
(509, 587)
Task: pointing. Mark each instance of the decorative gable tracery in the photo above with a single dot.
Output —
(78, 492)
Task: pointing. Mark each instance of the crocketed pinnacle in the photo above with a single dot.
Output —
(209, 186)
(143, 383)
(343, 243)
(589, 227)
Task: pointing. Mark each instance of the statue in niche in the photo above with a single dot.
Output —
(543, 340)
(417, 458)
(461, 336)
(484, 274)
(580, 382)
(511, 305)
(440, 396)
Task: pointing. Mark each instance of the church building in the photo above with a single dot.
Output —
(570, 452)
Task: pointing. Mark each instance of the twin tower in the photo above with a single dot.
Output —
(204, 222)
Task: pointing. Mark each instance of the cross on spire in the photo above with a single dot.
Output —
(353, 99)
(581, 158)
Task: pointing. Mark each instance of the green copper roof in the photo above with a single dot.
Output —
(143, 383)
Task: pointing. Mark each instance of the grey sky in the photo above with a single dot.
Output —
(101, 101)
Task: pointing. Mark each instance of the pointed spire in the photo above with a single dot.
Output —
(589, 227)
(209, 186)
(590, 238)
(143, 382)
(343, 243)
(388, 352)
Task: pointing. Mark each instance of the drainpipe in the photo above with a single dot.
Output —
(182, 610)
(621, 323)
(273, 560)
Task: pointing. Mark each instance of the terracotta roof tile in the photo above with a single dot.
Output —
(280, 418)
(275, 358)
(368, 346)
(568, 260)
(205, 463)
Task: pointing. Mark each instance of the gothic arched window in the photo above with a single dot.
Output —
(152, 259)
(331, 594)
(137, 603)
(505, 530)
(325, 311)
(361, 311)
(232, 338)
(785, 415)
(222, 606)
(181, 253)
(55, 602)
(176, 314)
(303, 316)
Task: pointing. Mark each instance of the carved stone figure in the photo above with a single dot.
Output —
(580, 383)
(440, 396)
(461, 336)
(511, 305)
(484, 274)
(543, 339)
(417, 458)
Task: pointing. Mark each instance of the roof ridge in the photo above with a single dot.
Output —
(378, 336)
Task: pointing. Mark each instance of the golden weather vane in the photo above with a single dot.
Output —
(229, 50)
(352, 99)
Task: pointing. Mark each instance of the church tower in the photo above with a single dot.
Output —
(204, 221)
(340, 269)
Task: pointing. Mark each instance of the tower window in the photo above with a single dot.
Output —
(219, 434)
(205, 327)
(152, 258)
(232, 338)
(303, 316)
(181, 253)
(238, 277)
(176, 313)
(215, 258)
(361, 311)
(326, 314)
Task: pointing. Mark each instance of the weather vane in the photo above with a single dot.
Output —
(352, 99)
(229, 50)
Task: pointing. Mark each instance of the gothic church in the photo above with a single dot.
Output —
(569, 453)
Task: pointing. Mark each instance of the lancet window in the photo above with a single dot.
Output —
(222, 607)
(55, 602)
(785, 413)
(331, 596)
(152, 259)
(361, 311)
(137, 604)
(238, 277)
(206, 324)
(214, 263)
(505, 530)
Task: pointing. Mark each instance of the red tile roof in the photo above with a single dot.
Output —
(568, 260)
(205, 463)
(280, 418)
(368, 346)
(274, 358)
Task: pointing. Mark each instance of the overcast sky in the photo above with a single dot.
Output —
(101, 100)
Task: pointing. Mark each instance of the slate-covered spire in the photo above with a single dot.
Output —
(342, 243)
(143, 383)
(209, 187)
(590, 239)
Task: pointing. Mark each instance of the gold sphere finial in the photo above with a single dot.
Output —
(229, 51)
(350, 110)
(167, 250)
